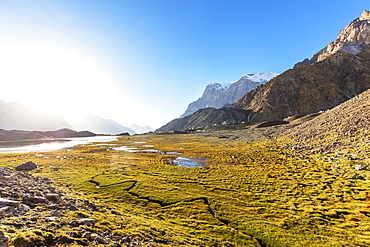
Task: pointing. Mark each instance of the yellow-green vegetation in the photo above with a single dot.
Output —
(248, 194)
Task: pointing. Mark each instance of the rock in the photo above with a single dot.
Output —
(98, 239)
(52, 196)
(23, 207)
(52, 218)
(360, 167)
(87, 235)
(7, 202)
(3, 240)
(115, 212)
(85, 221)
(28, 166)
(34, 199)
(34, 218)
(3, 210)
(55, 213)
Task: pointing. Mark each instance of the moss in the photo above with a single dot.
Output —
(28, 239)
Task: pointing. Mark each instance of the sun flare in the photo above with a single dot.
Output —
(52, 78)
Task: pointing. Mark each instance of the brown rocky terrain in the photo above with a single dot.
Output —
(344, 128)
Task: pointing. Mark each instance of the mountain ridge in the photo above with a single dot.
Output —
(308, 88)
(17, 116)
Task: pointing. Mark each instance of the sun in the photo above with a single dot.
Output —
(53, 78)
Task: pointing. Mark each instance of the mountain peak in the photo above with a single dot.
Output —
(352, 39)
(365, 15)
(218, 95)
(260, 77)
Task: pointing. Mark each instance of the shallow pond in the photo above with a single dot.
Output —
(186, 162)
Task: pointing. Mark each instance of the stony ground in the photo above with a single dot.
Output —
(33, 212)
(344, 128)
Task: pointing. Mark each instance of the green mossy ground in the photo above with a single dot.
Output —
(249, 194)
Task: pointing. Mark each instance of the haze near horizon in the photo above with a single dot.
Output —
(143, 62)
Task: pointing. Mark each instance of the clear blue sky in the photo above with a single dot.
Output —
(160, 54)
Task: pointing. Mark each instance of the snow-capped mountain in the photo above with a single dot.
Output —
(218, 95)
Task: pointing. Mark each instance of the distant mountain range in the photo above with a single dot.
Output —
(19, 135)
(14, 116)
(99, 125)
(141, 130)
(335, 74)
(218, 95)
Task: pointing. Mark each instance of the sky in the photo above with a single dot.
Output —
(143, 61)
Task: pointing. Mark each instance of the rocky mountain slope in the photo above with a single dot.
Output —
(218, 95)
(351, 39)
(343, 128)
(310, 88)
(206, 117)
(99, 125)
(15, 116)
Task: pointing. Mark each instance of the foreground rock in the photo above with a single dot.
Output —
(3, 240)
(28, 166)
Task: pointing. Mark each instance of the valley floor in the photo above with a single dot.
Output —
(249, 193)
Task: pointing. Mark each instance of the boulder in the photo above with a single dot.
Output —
(7, 202)
(3, 240)
(85, 221)
(52, 196)
(28, 166)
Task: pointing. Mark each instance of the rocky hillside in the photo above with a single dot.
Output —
(343, 128)
(15, 116)
(310, 88)
(218, 95)
(33, 212)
